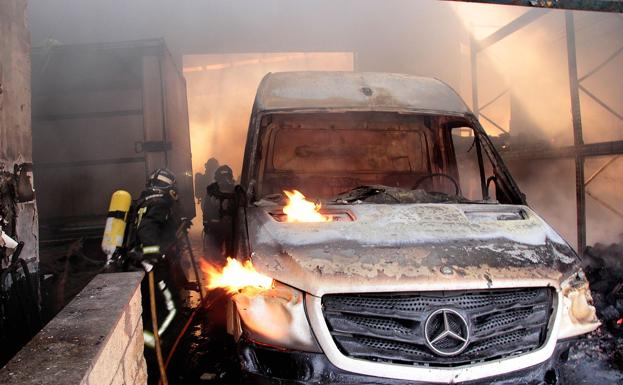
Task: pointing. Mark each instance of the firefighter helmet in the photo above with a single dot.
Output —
(224, 174)
(162, 178)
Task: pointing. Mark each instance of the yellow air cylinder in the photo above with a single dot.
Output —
(116, 221)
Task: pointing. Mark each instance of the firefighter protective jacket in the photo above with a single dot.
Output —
(219, 205)
(157, 220)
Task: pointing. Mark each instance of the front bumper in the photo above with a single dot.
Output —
(264, 365)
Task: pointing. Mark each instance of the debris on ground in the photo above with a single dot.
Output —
(603, 265)
(598, 357)
(595, 360)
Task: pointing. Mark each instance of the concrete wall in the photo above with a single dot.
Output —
(15, 133)
(95, 340)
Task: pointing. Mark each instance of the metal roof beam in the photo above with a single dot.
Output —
(510, 28)
(490, 102)
(494, 123)
(580, 5)
(601, 103)
(602, 65)
(591, 149)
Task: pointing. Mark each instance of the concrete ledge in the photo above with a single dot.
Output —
(96, 339)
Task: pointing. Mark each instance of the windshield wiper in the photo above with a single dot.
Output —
(361, 193)
(388, 195)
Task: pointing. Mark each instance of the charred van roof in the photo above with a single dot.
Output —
(370, 91)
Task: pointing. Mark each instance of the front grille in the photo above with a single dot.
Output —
(390, 327)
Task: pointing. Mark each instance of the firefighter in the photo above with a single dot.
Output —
(203, 180)
(218, 215)
(157, 218)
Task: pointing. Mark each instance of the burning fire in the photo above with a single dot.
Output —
(300, 209)
(235, 276)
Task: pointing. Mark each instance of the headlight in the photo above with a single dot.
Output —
(578, 312)
(276, 317)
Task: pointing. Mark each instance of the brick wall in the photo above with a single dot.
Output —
(95, 340)
(121, 360)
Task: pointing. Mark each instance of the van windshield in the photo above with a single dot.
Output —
(333, 156)
(378, 153)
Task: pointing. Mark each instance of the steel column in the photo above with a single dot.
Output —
(577, 131)
(474, 47)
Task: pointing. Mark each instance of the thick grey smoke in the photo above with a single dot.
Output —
(424, 37)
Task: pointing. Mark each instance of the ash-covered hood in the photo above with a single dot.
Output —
(411, 247)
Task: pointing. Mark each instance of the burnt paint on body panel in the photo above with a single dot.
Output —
(396, 247)
(344, 257)
(346, 268)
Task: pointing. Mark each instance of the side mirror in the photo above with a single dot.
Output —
(501, 194)
(490, 179)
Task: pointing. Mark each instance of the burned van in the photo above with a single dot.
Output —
(425, 264)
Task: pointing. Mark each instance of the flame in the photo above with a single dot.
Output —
(300, 209)
(235, 276)
(620, 322)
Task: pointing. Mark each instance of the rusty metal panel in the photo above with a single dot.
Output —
(17, 206)
(15, 120)
(103, 117)
(14, 83)
(177, 130)
(153, 108)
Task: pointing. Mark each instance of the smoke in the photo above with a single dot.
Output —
(227, 46)
(532, 65)
(550, 189)
(221, 90)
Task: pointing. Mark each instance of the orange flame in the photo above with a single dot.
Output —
(300, 209)
(235, 276)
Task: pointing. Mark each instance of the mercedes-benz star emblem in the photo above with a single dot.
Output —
(446, 332)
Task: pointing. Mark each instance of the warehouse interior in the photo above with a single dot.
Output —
(117, 88)
(194, 30)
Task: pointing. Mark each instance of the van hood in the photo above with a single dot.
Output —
(411, 247)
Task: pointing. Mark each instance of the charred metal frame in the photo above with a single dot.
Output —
(579, 150)
(580, 5)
